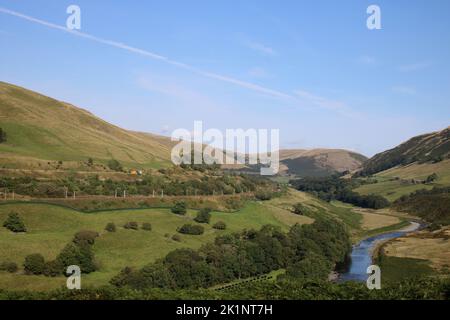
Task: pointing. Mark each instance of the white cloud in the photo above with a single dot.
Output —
(154, 56)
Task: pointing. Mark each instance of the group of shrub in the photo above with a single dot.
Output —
(300, 209)
(78, 252)
(203, 216)
(305, 252)
(10, 267)
(14, 223)
(192, 229)
(179, 208)
(133, 225)
(334, 188)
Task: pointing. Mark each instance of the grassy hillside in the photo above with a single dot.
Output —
(403, 180)
(319, 162)
(432, 147)
(51, 227)
(42, 128)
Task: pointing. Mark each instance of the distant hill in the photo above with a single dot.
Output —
(408, 167)
(319, 162)
(432, 147)
(41, 128)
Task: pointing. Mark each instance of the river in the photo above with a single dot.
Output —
(361, 256)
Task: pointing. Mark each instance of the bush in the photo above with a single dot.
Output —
(147, 226)
(85, 237)
(2, 135)
(14, 223)
(114, 165)
(81, 256)
(131, 225)
(191, 229)
(176, 237)
(10, 267)
(263, 195)
(110, 227)
(179, 208)
(431, 178)
(300, 209)
(34, 264)
(53, 268)
(220, 225)
(203, 216)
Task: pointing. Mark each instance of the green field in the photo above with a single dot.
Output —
(395, 269)
(393, 189)
(51, 227)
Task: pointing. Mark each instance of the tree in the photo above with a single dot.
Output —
(220, 225)
(85, 237)
(34, 264)
(147, 226)
(2, 136)
(431, 178)
(263, 195)
(191, 229)
(52, 268)
(300, 209)
(81, 256)
(90, 162)
(10, 267)
(14, 223)
(115, 165)
(131, 225)
(176, 237)
(179, 208)
(110, 227)
(203, 215)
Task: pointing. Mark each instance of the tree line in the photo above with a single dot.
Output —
(305, 251)
(335, 188)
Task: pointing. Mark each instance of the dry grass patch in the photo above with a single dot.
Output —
(432, 246)
(372, 219)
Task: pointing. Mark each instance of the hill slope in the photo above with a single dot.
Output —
(39, 127)
(428, 147)
(319, 162)
(405, 169)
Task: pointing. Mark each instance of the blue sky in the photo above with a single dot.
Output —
(309, 68)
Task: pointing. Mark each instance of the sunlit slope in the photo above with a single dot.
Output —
(43, 128)
(319, 162)
(402, 180)
(431, 147)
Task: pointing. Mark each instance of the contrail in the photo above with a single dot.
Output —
(154, 56)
